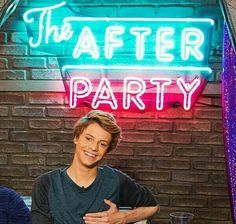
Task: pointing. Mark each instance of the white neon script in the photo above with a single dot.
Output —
(190, 43)
(133, 90)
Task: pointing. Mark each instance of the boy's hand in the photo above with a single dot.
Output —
(111, 216)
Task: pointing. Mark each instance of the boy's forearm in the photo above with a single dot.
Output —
(140, 213)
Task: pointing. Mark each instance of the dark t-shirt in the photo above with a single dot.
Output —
(57, 199)
(12, 208)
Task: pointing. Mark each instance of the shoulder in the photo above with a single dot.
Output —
(113, 172)
(45, 178)
(8, 193)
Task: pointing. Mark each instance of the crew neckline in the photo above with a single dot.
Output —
(81, 188)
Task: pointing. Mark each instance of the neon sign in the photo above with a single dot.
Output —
(125, 44)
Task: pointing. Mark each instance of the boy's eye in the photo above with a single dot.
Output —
(103, 144)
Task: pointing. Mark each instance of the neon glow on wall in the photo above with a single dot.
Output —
(126, 44)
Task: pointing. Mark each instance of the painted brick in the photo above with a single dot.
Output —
(43, 148)
(28, 159)
(4, 181)
(3, 111)
(29, 62)
(3, 63)
(175, 113)
(48, 74)
(64, 160)
(127, 125)
(3, 135)
(211, 190)
(137, 11)
(69, 123)
(217, 101)
(102, 11)
(52, 62)
(60, 136)
(190, 177)
(16, 124)
(19, 37)
(137, 137)
(63, 112)
(135, 2)
(68, 148)
(46, 98)
(22, 184)
(12, 98)
(171, 164)
(162, 201)
(7, 147)
(154, 125)
(208, 113)
(192, 126)
(45, 124)
(213, 214)
(192, 151)
(219, 202)
(137, 115)
(35, 171)
(218, 151)
(218, 178)
(3, 38)
(217, 126)
(13, 75)
(3, 159)
(208, 165)
(174, 138)
(164, 11)
(13, 50)
(174, 189)
(12, 171)
(123, 150)
(48, 50)
(153, 150)
(205, 138)
(15, 23)
(135, 163)
(189, 201)
(153, 175)
(202, 101)
(22, 111)
(33, 136)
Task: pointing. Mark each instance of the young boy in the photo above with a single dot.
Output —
(12, 208)
(85, 192)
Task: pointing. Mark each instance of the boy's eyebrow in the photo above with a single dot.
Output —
(94, 137)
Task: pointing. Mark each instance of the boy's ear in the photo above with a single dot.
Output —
(75, 140)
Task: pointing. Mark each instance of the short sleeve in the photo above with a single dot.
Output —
(18, 212)
(132, 194)
(40, 211)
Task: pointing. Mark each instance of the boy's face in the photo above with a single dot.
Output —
(92, 145)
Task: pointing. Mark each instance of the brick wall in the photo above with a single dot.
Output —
(177, 154)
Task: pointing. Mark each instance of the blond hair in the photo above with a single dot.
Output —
(105, 120)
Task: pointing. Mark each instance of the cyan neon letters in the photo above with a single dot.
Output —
(111, 40)
(133, 89)
(163, 43)
(192, 40)
(157, 42)
(188, 89)
(140, 33)
(160, 83)
(86, 44)
(104, 95)
(78, 93)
